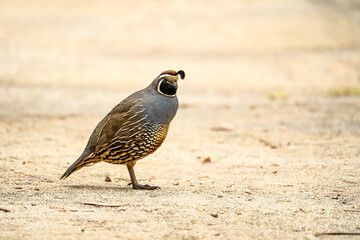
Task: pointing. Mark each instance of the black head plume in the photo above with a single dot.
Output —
(181, 73)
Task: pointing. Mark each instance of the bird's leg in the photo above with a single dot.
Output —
(134, 182)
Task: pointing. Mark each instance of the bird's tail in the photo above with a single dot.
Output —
(85, 160)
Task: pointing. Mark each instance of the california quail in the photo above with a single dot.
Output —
(134, 128)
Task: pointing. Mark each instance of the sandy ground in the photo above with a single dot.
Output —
(271, 97)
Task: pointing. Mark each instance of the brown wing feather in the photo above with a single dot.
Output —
(121, 124)
(110, 128)
(128, 136)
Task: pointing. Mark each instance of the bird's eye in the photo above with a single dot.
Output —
(166, 88)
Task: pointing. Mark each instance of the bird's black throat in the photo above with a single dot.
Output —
(168, 88)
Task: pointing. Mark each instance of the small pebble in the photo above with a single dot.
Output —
(206, 160)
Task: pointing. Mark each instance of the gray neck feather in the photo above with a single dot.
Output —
(159, 108)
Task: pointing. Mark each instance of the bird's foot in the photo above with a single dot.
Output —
(145, 187)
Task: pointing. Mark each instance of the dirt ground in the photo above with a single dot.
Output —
(265, 144)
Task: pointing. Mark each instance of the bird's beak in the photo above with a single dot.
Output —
(174, 84)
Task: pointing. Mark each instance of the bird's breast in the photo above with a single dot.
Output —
(161, 109)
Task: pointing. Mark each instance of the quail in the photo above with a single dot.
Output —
(134, 128)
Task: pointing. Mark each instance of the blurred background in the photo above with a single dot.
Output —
(228, 47)
(252, 67)
(265, 144)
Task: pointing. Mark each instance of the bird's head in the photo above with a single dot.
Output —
(166, 82)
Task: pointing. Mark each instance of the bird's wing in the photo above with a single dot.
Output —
(121, 123)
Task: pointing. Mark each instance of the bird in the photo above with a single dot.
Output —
(134, 128)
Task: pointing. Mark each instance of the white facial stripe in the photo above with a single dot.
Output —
(158, 89)
(164, 75)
